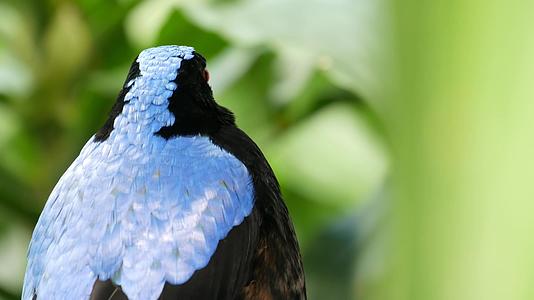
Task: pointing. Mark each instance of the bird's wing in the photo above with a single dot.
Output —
(225, 276)
(277, 271)
(182, 217)
(54, 243)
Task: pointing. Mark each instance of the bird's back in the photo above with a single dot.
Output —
(149, 216)
(168, 200)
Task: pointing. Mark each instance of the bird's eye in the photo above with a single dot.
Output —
(206, 75)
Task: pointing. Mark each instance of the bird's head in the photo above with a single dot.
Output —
(166, 93)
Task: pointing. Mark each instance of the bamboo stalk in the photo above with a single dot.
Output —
(461, 120)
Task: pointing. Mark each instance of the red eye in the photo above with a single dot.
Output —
(206, 75)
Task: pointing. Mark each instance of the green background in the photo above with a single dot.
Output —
(295, 73)
(402, 131)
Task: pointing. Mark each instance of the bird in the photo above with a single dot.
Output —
(169, 199)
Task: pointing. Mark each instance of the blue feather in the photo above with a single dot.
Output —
(136, 208)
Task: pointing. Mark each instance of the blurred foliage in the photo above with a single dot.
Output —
(299, 75)
(334, 92)
(461, 121)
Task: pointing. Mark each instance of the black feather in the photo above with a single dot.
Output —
(223, 278)
(260, 258)
(105, 131)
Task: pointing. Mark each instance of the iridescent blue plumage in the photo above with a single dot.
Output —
(136, 208)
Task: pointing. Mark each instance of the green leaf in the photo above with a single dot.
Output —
(340, 35)
(229, 66)
(145, 21)
(334, 157)
(16, 32)
(67, 43)
(13, 245)
(15, 77)
(247, 98)
(9, 125)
